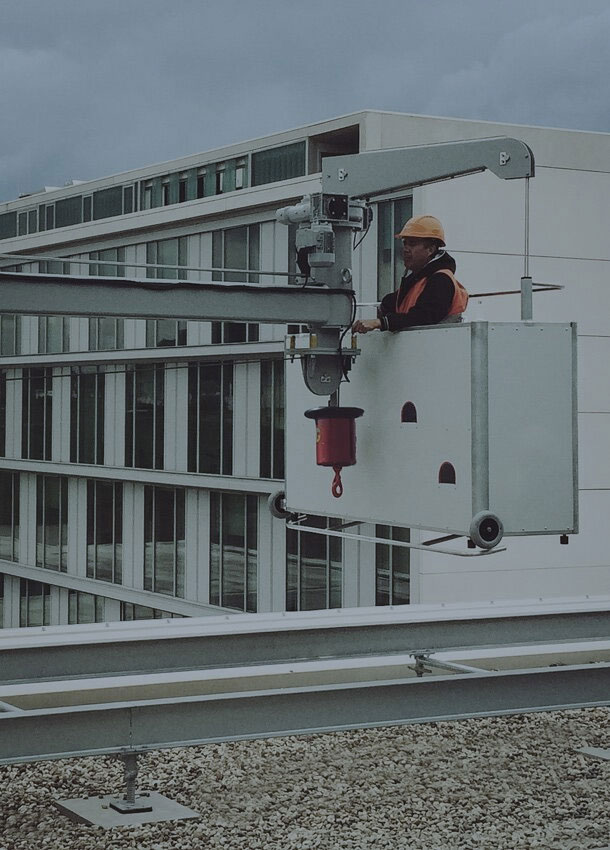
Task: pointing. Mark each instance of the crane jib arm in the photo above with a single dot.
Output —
(40, 294)
(373, 173)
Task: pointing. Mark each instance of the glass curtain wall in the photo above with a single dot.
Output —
(210, 418)
(3, 380)
(52, 522)
(10, 334)
(162, 332)
(87, 415)
(144, 428)
(105, 531)
(53, 334)
(34, 603)
(36, 414)
(236, 248)
(9, 515)
(233, 551)
(105, 332)
(272, 419)
(85, 608)
(392, 567)
(313, 568)
(164, 532)
(391, 215)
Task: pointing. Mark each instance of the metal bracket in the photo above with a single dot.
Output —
(131, 803)
(366, 539)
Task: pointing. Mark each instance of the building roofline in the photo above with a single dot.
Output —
(243, 147)
(482, 121)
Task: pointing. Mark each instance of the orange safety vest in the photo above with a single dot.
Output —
(460, 296)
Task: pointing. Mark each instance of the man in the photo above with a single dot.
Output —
(428, 293)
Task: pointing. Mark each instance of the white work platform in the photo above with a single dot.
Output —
(458, 419)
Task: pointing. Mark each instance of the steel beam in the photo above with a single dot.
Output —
(103, 649)
(154, 724)
(38, 294)
(374, 173)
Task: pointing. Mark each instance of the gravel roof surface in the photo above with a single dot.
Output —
(501, 783)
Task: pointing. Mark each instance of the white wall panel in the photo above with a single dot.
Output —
(479, 212)
(594, 373)
(594, 450)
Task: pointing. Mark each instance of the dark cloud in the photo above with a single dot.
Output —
(91, 88)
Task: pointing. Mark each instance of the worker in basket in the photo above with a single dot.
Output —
(429, 292)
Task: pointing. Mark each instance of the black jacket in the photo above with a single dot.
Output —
(433, 304)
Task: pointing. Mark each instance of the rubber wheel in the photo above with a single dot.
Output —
(486, 530)
(276, 504)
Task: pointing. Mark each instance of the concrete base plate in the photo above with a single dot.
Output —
(596, 753)
(97, 811)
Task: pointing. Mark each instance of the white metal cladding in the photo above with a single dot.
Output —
(494, 401)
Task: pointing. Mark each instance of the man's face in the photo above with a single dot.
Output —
(416, 253)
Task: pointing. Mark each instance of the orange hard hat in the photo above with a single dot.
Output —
(423, 227)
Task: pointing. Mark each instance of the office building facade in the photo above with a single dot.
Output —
(137, 456)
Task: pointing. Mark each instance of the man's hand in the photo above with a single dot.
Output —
(363, 326)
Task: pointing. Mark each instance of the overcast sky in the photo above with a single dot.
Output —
(90, 88)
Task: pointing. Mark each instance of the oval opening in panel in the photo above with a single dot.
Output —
(446, 474)
(408, 412)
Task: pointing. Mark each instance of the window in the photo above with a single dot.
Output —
(9, 516)
(22, 224)
(236, 248)
(144, 402)
(34, 603)
(53, 334)
(108, 202)
(240, 173)
(182, 188)
(200, 182)
(234, 332)
(172, 252)
(87, 204)
(85, 608)
(87, 415)
(272, 419)
(106, 333)
(165, 192)
(36, 414)
(392, 567)
(8, 225)
(161, 332)
(129, 611)
(52, 522)
(10, 334)
(391, 215)
(164, 540)
(147, 192)
(281, 163)
(53, 267)
(69, 211)
(105, 531)
(210, 418)
(220, 178)
(2, 413)
(111, 262)
(313, 568)
(128, 199)
(1, 601)
(233, 551)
